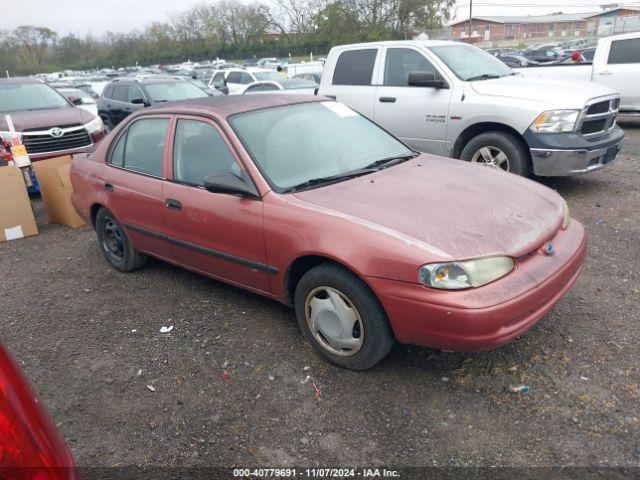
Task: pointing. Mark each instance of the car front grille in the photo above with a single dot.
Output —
(56, 139)
(599, 117)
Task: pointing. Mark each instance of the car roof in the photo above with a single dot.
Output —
(396, 43)
(225, 106)
(148, 80)
(19, 80)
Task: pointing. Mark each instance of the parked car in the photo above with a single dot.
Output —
(30, 445)
(312, 77)
(545, 54)
(514, 61)
(237, 79)
(80, 98)
(616, 64)
(456, 100)
(307, 202)
(282, 86)
(49, 124)
(123, 96)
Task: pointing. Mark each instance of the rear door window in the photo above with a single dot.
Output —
(144, 146)
(625, 51)
(355, 67)
(234, 77)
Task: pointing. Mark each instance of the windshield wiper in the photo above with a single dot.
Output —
(484, 76)
(371, 168)
(329, 179)
(389, 161)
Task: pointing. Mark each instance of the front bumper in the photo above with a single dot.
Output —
(489, 316)
(557, 155)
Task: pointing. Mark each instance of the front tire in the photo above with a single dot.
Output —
(499, 150)
(342, 318)
(115, 244)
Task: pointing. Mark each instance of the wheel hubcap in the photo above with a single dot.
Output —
(112, 239)
(334, 321)
(492, 157)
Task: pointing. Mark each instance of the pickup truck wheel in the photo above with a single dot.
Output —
(115, 243)
(498, 150)
(342, 318)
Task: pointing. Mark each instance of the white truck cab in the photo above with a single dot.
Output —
(616, 64)
(453, 99)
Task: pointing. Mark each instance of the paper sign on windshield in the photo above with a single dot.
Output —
(340, 109)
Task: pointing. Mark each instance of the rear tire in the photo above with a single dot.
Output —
(498, 150)
(115, 244)
(342, 318)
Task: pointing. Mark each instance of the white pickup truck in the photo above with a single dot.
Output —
(453, 99)
(616, 64)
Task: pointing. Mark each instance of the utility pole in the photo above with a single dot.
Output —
(470, 18)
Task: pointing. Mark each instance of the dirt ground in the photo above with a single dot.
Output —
(88, 338)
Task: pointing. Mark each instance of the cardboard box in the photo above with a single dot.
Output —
(16, 215)
(56, 189)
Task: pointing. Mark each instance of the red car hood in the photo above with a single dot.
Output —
(46, 119)
(454, 209)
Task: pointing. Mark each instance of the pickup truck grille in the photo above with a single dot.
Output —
(56, 139)
(599, 117)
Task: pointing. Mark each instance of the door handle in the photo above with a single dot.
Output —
(332, 97)
(172, 204)
(387, 99)
(606, 72)
(108, 187)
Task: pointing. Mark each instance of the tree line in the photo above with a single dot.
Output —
(224, 29)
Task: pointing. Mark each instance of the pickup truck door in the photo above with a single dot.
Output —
(615, 66)
(351, 80)
(416, 115)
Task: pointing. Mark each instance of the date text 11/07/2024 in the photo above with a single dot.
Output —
(315, 473)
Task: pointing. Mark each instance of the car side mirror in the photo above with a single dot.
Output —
(426, 79)
(75, 100)
(230, 184)
(139, 101)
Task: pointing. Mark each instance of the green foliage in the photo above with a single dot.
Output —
(224, 29)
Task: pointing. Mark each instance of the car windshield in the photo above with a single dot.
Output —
(267, 76)
(172, 91)
(29, 96)
(471, 63)
(304, 145)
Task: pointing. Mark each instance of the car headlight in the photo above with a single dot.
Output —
(94, 125)
(467, 274)
(555, 121)
(566, 217)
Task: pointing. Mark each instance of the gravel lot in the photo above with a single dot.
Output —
(88, 338)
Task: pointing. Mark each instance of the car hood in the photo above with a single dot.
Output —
(558, 93)
(450, 208)
(46, 119)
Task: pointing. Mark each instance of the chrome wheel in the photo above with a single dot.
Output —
(492, 157)
(334, 321)
(112, 241)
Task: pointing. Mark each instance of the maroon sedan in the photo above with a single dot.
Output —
(305, 201)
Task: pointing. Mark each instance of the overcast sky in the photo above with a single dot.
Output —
(99, 16)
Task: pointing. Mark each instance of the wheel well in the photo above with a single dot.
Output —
(478, 128)
(94, 212)
(298, 268)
